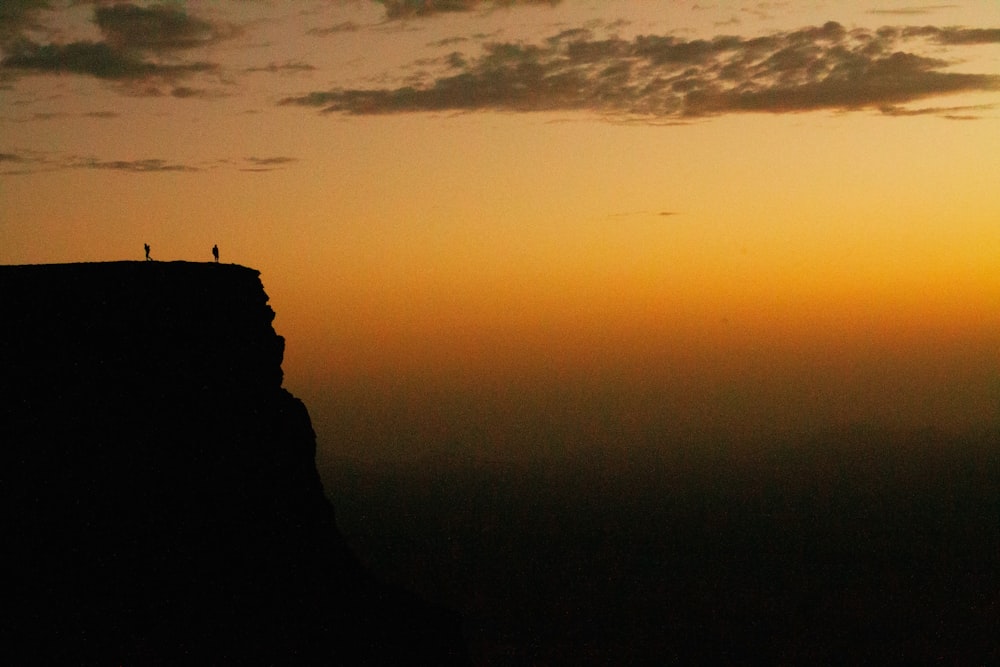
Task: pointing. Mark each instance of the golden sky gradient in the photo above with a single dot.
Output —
(529, 228)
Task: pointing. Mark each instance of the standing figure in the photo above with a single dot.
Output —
(146, 246)
(215, 253)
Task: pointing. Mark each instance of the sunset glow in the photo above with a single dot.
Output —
(522, 227)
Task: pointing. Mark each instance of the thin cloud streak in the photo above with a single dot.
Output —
(345, 26)
(396, 9)
(138, 166)
(20, 162)
(910, 11)
(97, 59)
(944, 112)
(265, 164)
(15, 162)
(45, 116)
(631, 214)
(271, 161)
(664, 77)
(291, 67)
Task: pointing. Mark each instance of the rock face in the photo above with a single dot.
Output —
(160, 498)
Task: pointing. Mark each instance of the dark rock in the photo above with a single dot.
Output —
(160, 498)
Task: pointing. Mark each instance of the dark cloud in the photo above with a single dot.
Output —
(19, 163)
(60, 115)
(632, 214)
(13, 162)
(960, 36)
(49, 115)
(98, 59)
(449, 41)
(911, 11)
(895, 79)
(18, 16)
(143, 166)
(135, 39)
(968, 112)
(346, 26)
(279, 68)
(262, 164)
(395, 9)
(270, 161)
(667, 77)
(155, 28)
(186, 92)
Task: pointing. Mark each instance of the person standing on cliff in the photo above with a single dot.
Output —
(215, 253)
(146, 246)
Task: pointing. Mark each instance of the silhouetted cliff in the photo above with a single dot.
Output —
(160, 496)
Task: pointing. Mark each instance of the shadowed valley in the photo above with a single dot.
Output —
(857, 547)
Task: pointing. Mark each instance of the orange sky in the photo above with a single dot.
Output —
(507, 269)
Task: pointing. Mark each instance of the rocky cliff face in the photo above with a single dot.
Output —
(160, 498)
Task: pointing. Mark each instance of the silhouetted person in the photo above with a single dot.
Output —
(146, 246)
(215, 253)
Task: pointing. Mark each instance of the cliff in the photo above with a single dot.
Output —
(160, 498)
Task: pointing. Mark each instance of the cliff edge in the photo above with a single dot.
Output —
(160, 497)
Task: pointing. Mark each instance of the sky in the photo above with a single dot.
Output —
(528, 229)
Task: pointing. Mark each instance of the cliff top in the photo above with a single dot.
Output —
(132, 319)
(121, 269)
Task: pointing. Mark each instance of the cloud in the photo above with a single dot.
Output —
(964, 112)
(346, 26)
(395, 9)
(631, 214)
(16, 162)
(911, 11)
(283, 68)
(960, 36)
(666, 77)
(135, 38)
(262, 164)
(97, 59)
(60, 115)
(449, 41)
(18, 16)
(143, 166)
(56, 115)
(265, 161)
(187, 92)
(155, 28)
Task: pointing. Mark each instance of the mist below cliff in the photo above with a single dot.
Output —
(856, 547)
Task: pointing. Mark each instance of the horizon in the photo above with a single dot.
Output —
(529, 230)
(707, 446)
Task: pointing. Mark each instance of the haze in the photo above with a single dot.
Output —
(513, 230)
